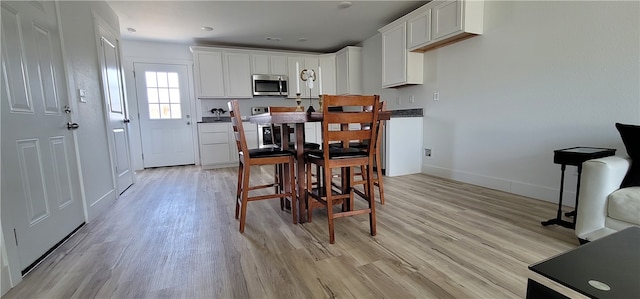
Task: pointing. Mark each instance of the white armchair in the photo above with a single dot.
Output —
(604, 208)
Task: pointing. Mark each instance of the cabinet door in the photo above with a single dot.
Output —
(238, 71)
(447, 18)
(260, 64)
(328, 65)
(394, 55)
(342, 73)
(295, 77)
(209, 75)
(278, 64)
(419, 30)
(311, 63)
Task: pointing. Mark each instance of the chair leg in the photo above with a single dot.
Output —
(292, 188)
(278, 177)
(329, 198)
(372, 201)
(379, 176)
(308, 199)
(245, 198)
(239, 190)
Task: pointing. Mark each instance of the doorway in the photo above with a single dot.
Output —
(165, 114)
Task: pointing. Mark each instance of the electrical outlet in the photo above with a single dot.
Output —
(436, 96)
(427, 152)
(412, 99)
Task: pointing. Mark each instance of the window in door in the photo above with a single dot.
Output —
(163, 95)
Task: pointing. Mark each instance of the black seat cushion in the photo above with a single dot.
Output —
(630, 135)
(337, 153)
(307, 145)
(269, 152)
(359, 145)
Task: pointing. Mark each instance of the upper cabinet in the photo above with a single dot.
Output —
(221, 73)
(269, 64)
(328, 64)
(437, 23)
(349, 71)
(208, 74)
(442, 22)
(399, 66)
(303, 62)
(238, 74)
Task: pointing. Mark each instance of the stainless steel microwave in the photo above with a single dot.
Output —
(269, 85)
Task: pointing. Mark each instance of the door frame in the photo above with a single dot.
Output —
(136, 145)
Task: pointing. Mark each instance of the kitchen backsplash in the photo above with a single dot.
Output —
(246, 104)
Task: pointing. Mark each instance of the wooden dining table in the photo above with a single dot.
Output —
(297, 119)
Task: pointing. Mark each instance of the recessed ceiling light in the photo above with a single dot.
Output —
(345, 4)
(275, 39)
(131, 30)
(302, 39)
(207, 28)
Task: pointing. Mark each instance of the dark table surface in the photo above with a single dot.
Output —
(613, 260)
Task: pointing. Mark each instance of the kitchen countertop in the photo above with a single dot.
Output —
(394, 114)
(407, 113)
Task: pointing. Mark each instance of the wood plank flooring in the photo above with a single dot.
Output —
(173, 235)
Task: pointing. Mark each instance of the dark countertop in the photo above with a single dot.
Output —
(394, 114)
(407, 113)
(213, 119)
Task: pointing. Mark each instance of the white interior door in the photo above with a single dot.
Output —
(113, 93)
(165, 114)
(41, 199)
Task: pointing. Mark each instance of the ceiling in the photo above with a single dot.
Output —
(316, 26)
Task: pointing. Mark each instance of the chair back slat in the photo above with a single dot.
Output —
(238, 130)
(350, 100)
(281, 109)
(354, 117)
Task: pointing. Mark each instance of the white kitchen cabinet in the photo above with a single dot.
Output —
(250, 134)
(328, 64)
(403, 146)
(399, 66)
(209, 77)
(451, 21)
(218, 144)
(419, 28)
(267, 64)
(221, 73)
(214, 144)
(238, 75)
(349, 71)
(304, 62)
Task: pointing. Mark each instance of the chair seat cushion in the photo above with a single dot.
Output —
(358, 145)
(338, 153)
(624, 205)
(269, 152)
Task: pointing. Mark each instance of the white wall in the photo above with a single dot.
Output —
(543, 76)
(81, 56)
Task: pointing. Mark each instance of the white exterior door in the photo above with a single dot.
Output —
(41, 201)
(113, 93)
(165, 114)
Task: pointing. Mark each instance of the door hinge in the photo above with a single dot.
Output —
(142, 156)
(15, 235)
(134, 74)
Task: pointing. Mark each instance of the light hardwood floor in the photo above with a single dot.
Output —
(173, 235)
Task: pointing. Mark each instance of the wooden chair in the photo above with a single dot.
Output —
(343, 158)
(264, 156)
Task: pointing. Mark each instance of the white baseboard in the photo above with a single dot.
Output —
(515, 187)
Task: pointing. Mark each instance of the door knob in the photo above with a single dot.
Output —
(126, 120)
(188, 123)
(72, 126)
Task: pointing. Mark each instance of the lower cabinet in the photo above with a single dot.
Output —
(218, 146)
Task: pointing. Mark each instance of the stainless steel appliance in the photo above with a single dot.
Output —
(269, 85)
(265, 134)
